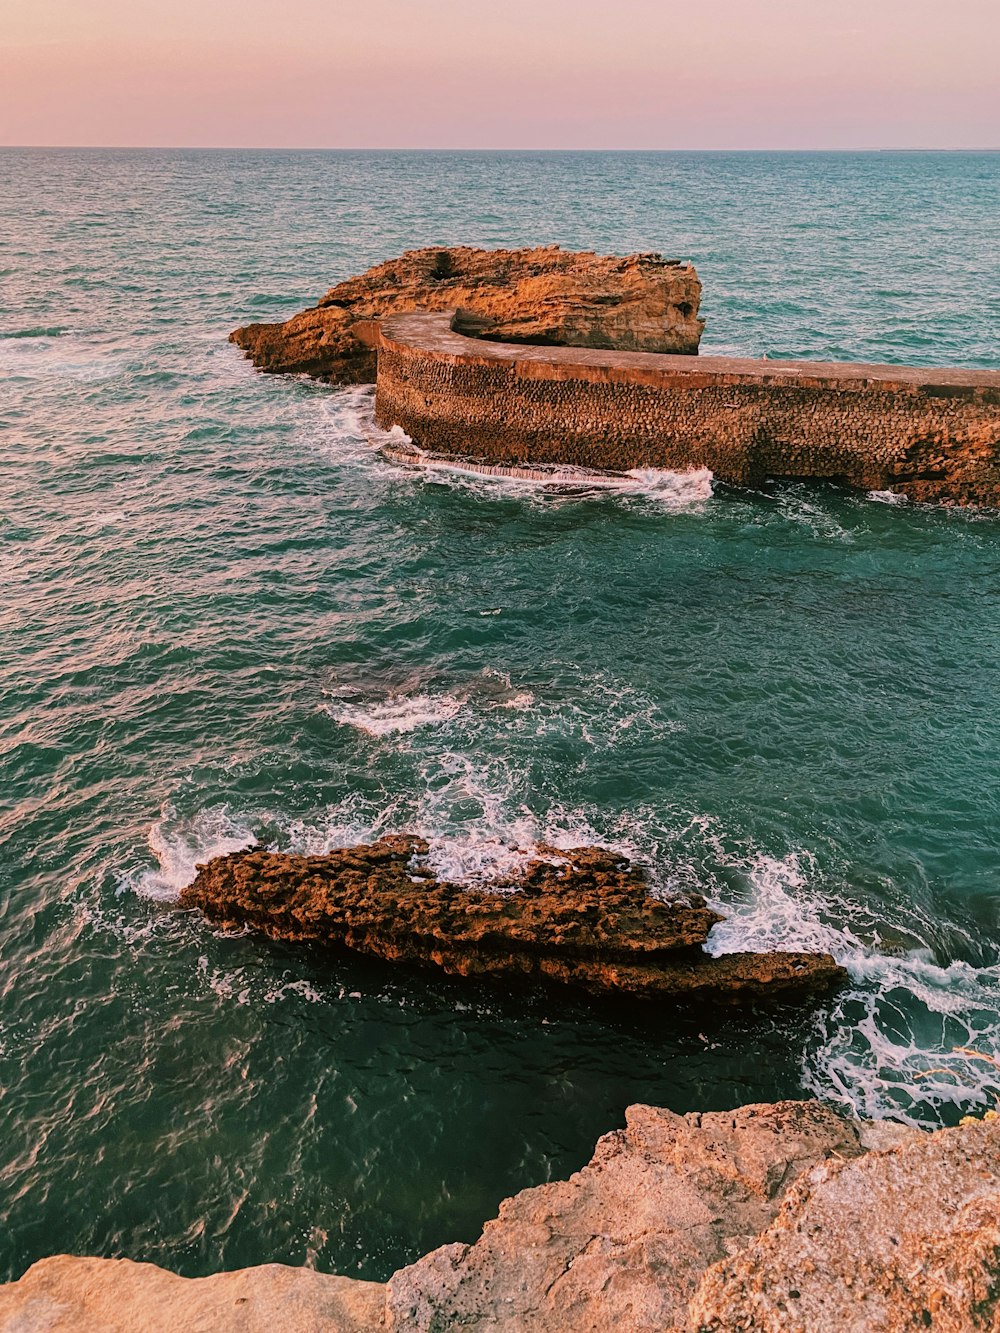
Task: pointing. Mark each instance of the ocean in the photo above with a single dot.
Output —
(227, 618)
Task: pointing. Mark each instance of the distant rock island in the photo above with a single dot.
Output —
(515, 360)
(547, 295)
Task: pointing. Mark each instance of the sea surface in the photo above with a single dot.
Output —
(226, 618)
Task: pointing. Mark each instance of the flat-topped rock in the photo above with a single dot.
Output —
(540, 295)
(584, 918)
(70, 1294)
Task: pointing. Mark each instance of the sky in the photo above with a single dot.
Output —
(640, 74)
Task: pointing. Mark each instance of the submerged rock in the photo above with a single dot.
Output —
(583, 917)
(641, 302)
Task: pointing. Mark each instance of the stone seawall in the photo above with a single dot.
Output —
(929, 434)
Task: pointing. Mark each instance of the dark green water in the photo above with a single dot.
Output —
(225, 617)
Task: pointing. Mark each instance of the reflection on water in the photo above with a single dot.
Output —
(228, 618)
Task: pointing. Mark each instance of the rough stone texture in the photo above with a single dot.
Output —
(902, 1240)
(929, 434)
(621, 1244)
(783, 1217)
(69, 1295)
(544, 295)
(582, 918)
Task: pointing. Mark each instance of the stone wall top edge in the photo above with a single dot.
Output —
(431, 335)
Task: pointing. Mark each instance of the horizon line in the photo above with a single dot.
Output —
(290, 148)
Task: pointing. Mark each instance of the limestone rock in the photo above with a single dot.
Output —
(621, 1244)
(545, 295)
(904, 1239)
(582, 917)
(772, 1217)
(69, 1295)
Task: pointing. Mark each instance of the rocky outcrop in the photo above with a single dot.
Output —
(905, 1239)
(641, 302)
(782, 1218)
(69, 1295)
(623, 1243)
(583, 918)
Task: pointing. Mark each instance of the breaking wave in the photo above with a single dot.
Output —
(397, 713)
(181, 844)
(392, 452)
(909, 1038)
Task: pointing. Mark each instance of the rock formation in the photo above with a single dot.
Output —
(903, 1239)
(623, 1243)
(584, 918)
(546, 295)
(81, 1295)
(782, 1218)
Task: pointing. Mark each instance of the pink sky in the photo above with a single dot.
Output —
(501, 74)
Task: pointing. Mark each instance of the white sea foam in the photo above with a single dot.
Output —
(392, 452)
(180, 845)
(58, 358)
(888, 497)
(673, 490)
(400, 712)
(907, 1036)
(397, 713)
(795, 504)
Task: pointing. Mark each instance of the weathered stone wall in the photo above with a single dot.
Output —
(930, 434)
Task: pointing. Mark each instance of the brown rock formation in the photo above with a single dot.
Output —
(583, 918)
(545, 295)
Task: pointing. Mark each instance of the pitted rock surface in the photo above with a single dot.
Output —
(543, 295)
(583, 917)
(904, 1239)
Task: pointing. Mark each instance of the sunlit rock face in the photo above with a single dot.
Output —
(770, 1218)
(639, 302)
(582, 918)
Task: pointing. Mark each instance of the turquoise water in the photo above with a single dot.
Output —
(225, 617)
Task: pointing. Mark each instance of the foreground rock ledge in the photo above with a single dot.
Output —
(783, 1217)
(583, 918)
(547, 295)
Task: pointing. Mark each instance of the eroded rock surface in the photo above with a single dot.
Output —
(622, 1244)
(783, 1218)
(545, 295)
(583, 917)
(79, 1295)
(901, 1240)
